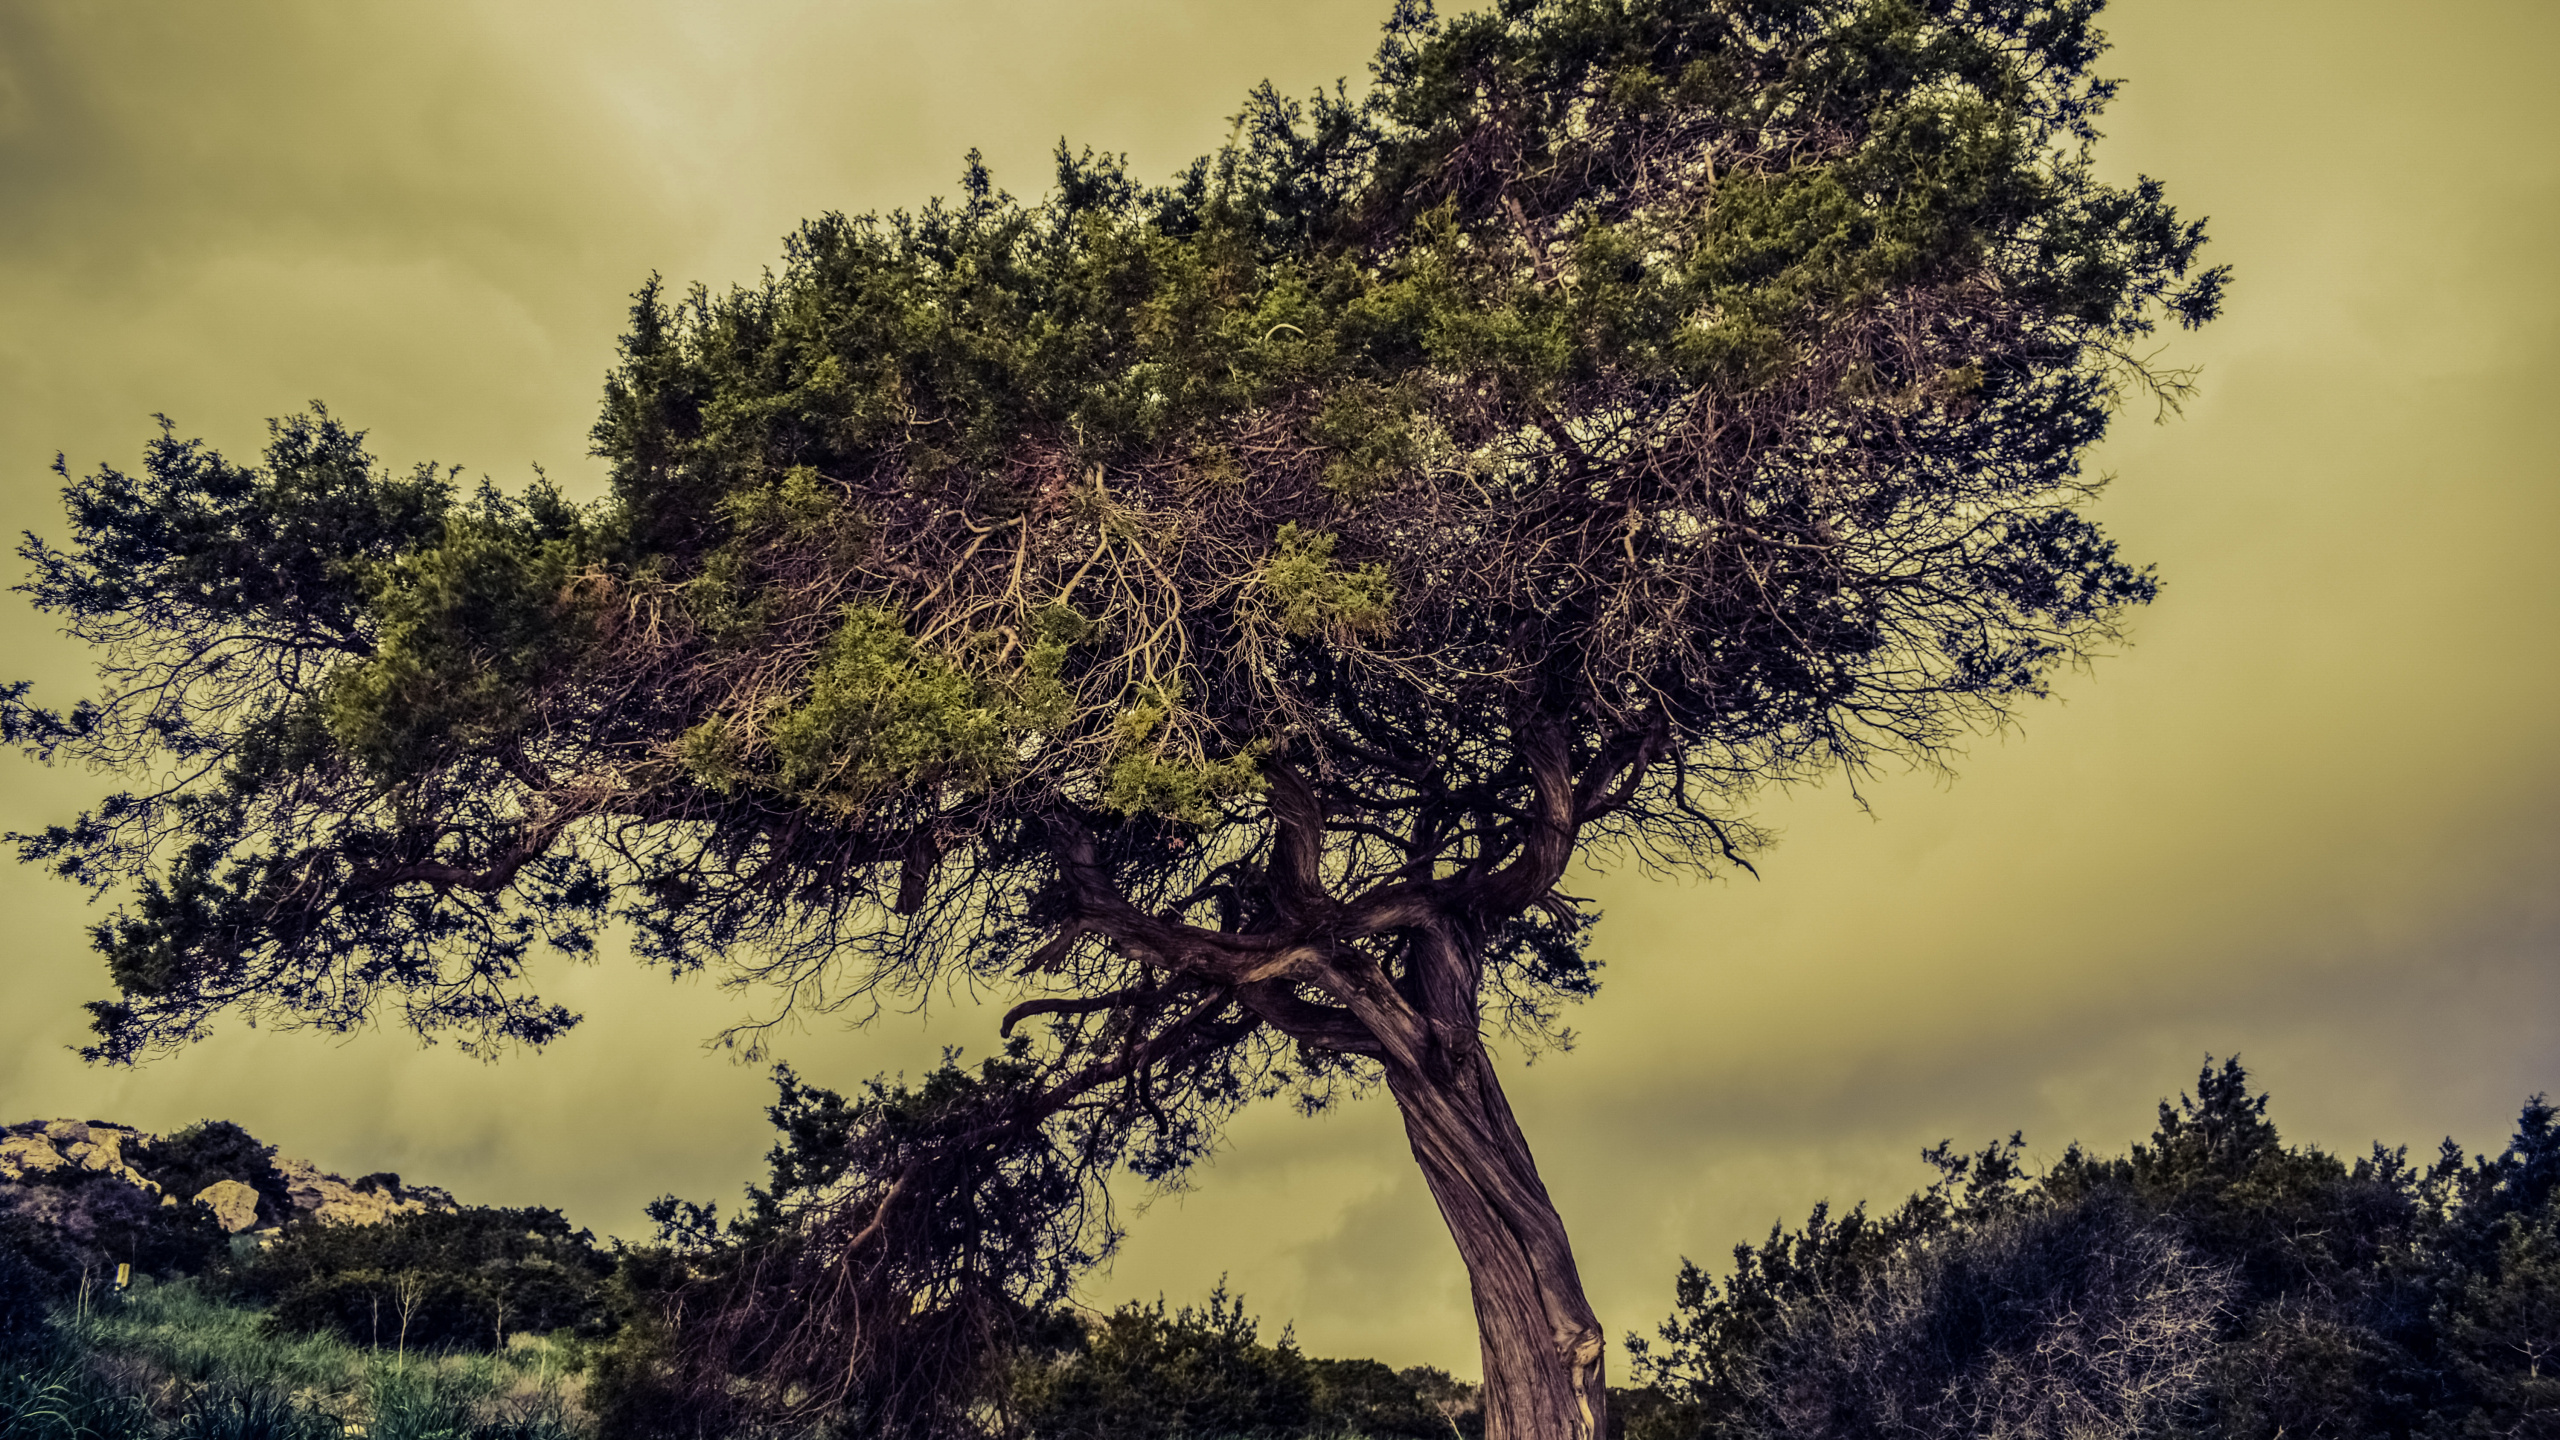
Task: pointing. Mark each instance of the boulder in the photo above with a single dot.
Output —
(104, 1150)
(234, 1204)
(26, 1154)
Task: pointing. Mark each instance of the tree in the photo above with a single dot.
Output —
(1219, 611)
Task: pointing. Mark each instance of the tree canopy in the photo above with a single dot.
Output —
(1216, 612)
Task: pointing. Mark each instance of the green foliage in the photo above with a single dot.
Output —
(225, 1413)
(1145, 780)
(1369, 439)
(209, 1151)
(1315, 596)
(798, 504)
(174, 1362)
(1144, 1374)
(49, 1394)
(1041, 696)
(881, 713)
(1420, 1402)
(636, 1391)
(883, 716)
(438, 1279)
(462, 628)
(2501, 1327)
(185, 1331)
(2364, 1299)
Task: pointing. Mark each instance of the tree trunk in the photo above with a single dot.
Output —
(1542, 1345)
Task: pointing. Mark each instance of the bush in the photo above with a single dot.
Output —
(25, 1290)
(2214, 1283)
(64, 1221)
(465, 1278)
(1365, 1398)
(1142, 1374)
(2079, 1323)
(636, 1391)
(211, 1151)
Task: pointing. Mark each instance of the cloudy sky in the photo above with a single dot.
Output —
(2308, 816)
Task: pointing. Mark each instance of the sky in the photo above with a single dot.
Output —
(2307, 816)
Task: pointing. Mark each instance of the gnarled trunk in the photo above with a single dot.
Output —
(1542, 1345)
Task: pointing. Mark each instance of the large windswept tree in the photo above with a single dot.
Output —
(1218, 613)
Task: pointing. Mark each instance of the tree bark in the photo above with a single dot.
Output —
(1542, 1345)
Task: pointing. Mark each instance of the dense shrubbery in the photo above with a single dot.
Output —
(1144, 1374)
(57, 1224)
(25, 1287)
(465, 1278)
(2216, 1282)
(209, 1151)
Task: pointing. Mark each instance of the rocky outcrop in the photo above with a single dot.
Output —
(20, 1154)
(72, 1176)
(371, 1200)
(73, 1144)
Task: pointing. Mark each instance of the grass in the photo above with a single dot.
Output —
(171, 1362)
(174, 1362)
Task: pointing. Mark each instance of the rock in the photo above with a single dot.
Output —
(26, 1154)
(331, 1198)
(33, 1186)
(104, 1150)
(233, 1204)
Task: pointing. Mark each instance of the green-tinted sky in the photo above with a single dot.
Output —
(2309, 817)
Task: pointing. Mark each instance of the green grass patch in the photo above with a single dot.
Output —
(171, 1361)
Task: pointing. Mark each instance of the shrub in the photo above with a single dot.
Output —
(1143, 1374)
(25, 1289)
(63, 1221)
(2082, 1323)
(2214, 1283)
(211, 1151)
(465, 1278)
(1364, 1397)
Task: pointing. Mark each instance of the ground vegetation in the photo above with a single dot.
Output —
(2213, 1282)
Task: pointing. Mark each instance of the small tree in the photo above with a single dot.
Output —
(1219, 613)
(409, 1289)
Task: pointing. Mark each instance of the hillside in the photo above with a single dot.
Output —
(104, 1194)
